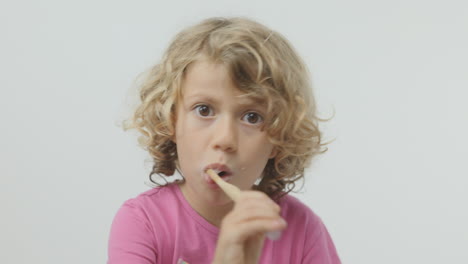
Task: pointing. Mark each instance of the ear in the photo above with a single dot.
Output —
(273, 153)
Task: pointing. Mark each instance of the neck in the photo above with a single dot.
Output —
(213, 213)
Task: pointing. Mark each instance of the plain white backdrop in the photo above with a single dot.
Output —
(393, 187)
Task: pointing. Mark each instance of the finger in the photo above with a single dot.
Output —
(253, 212)
(254, 204)
(256, 198)
(257, 227)
(249, 212)
(257, 195)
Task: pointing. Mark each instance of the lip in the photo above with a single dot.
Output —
(217, 167)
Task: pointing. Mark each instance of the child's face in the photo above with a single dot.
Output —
(214, 128)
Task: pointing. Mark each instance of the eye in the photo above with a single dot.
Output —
(203, 110)
(252, 118)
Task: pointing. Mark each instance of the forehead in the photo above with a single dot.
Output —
(207, 79)
(205, 74)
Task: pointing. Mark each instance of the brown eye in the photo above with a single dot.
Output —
(203, 110)
(252, 118)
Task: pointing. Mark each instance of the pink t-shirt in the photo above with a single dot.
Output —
(160, 226)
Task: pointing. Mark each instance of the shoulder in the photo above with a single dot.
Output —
(145, 214)
(306, 228)
(150, 205)
(133, 232)
(302, 220)
(158, 196)
(295, 210)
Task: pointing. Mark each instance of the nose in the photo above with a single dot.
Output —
(225, 135)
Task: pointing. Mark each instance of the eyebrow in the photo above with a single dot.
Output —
(204, 97)
(242, 102)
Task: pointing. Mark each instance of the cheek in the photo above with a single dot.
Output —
(265, 147)
(189, 141)
(259, 153)
(183, 125)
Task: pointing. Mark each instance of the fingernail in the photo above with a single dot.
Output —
(274, 235)
(281, 221)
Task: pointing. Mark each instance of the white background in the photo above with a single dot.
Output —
(391, 189)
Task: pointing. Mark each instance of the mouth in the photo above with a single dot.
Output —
(222, 170)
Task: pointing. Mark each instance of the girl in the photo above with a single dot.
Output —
(233, 96)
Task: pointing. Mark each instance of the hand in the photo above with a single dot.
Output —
(243, 229)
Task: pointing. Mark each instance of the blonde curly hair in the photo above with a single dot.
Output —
(261, 63)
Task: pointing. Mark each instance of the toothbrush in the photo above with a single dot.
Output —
(233, 192)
